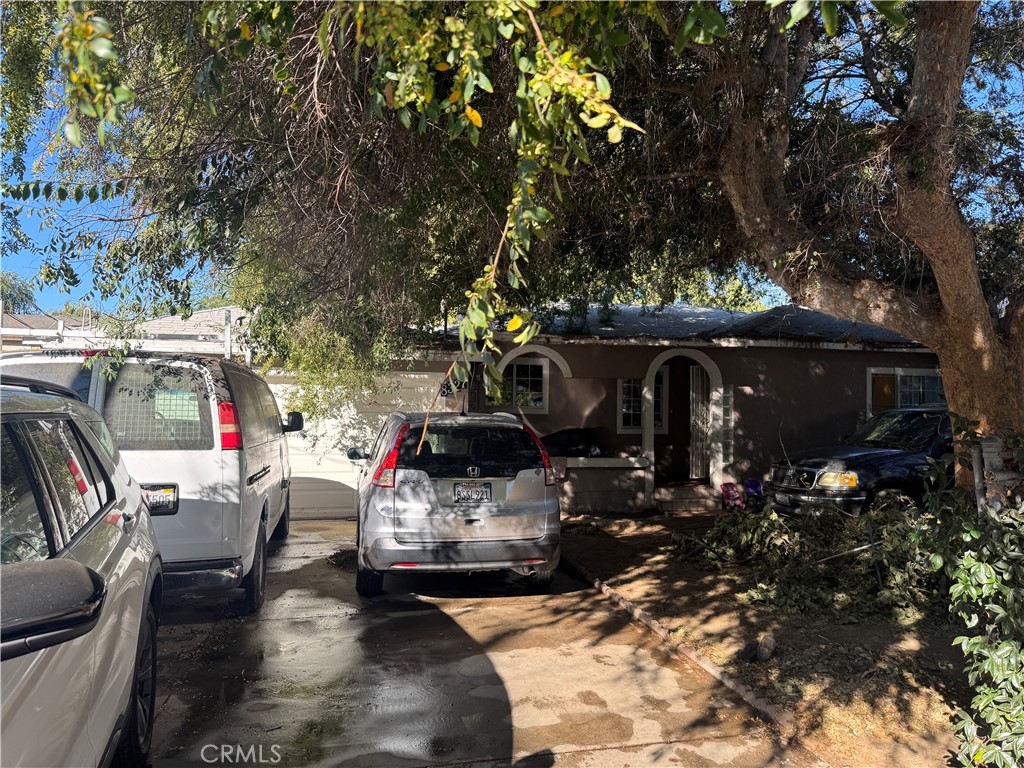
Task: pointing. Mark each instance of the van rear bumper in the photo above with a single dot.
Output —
(388, 554)
(202, 575)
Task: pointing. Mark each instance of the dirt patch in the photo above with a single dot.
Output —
(345, 558)
(869, 691)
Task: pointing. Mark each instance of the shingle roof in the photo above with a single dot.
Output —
(40, 322)
(202, 323)
(680, 322)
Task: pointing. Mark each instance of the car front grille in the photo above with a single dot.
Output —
(793, 477)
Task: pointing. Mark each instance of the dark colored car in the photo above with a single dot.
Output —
(888, 452)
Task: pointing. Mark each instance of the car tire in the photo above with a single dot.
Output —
(133, 749)
(255, 582)
(369, 583)
(283, 526)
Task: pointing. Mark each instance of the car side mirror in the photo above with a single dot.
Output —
(47, 603)
(295, 422)
(356, 454)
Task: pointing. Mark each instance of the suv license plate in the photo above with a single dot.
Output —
(782, 498)
(472, 493)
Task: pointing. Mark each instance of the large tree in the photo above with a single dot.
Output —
(357, 165)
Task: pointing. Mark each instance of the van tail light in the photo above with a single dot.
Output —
(549, 471)
(384, 477)
(230, 429)
(79, 477)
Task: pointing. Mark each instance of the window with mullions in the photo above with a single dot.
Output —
(524, 386)
(631, 393)
(902, 388)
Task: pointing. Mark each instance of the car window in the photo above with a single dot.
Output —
(103, 437)
(903, 430)
(75, 490)
(275, 426)
(497, 451)
(22, 531)
(154, 407)
(245, 390)
(67, 372)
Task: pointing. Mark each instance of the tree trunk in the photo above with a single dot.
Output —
(982, 367)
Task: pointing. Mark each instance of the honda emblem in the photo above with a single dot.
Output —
(473, 471)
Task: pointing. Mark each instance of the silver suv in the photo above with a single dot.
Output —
(475, 493)
(81, 583)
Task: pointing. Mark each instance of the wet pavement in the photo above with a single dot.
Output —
(440, 670)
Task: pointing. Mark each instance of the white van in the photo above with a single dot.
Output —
(205, 440)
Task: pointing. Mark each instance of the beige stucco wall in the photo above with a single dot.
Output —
(784, 399)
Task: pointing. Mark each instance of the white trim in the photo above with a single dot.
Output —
(663, 429)
(657, 341)
(544, 363)
(897, 372)
(536, 349)
(715, 375)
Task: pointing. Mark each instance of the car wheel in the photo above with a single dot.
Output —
(255, 581)
(138, 734)
(284, 524)
(369, 583)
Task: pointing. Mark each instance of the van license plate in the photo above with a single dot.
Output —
(472, 493)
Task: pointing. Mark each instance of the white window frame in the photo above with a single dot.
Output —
(897, 372)
(658, 430)
(545, 385)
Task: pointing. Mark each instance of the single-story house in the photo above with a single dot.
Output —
(666, 405)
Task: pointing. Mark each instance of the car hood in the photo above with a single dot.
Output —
(842, 456)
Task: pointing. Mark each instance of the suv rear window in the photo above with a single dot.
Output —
(449, 450)
(68, 373)
(155, 407)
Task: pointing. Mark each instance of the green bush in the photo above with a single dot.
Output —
(988, 594)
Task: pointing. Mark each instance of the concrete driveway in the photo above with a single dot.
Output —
(440, 670)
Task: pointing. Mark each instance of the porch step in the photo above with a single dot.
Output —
(683, 506)
(685, 492)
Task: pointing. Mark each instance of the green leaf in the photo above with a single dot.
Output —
(830, 15)
(79, 194)
(888, 9)
(103, 48)
(799, 10)
(505, 29)
(599, 121)
(712, 20)
(615, 134)
(603, 87)
(619, 37)
(72, 134)
(484, 82)
(323, 32)
(123, 95)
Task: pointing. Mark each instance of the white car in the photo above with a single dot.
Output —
(205, 439)
(81, 582)
(475, 492)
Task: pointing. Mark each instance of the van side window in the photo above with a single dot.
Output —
(21, 523)
(275, 426)
(159, 407)
(245, 391)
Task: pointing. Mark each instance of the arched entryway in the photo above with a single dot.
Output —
(706, 406)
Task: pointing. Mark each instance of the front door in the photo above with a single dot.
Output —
(700, 423)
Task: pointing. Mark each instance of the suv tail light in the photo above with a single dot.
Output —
(384, 477)
(230, 429)
(549, 471)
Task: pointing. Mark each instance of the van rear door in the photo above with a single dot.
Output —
(162, 414)
(470, 482)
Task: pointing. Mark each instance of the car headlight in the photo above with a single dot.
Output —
(837, 480)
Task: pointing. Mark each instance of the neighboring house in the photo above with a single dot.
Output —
(681, 400)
